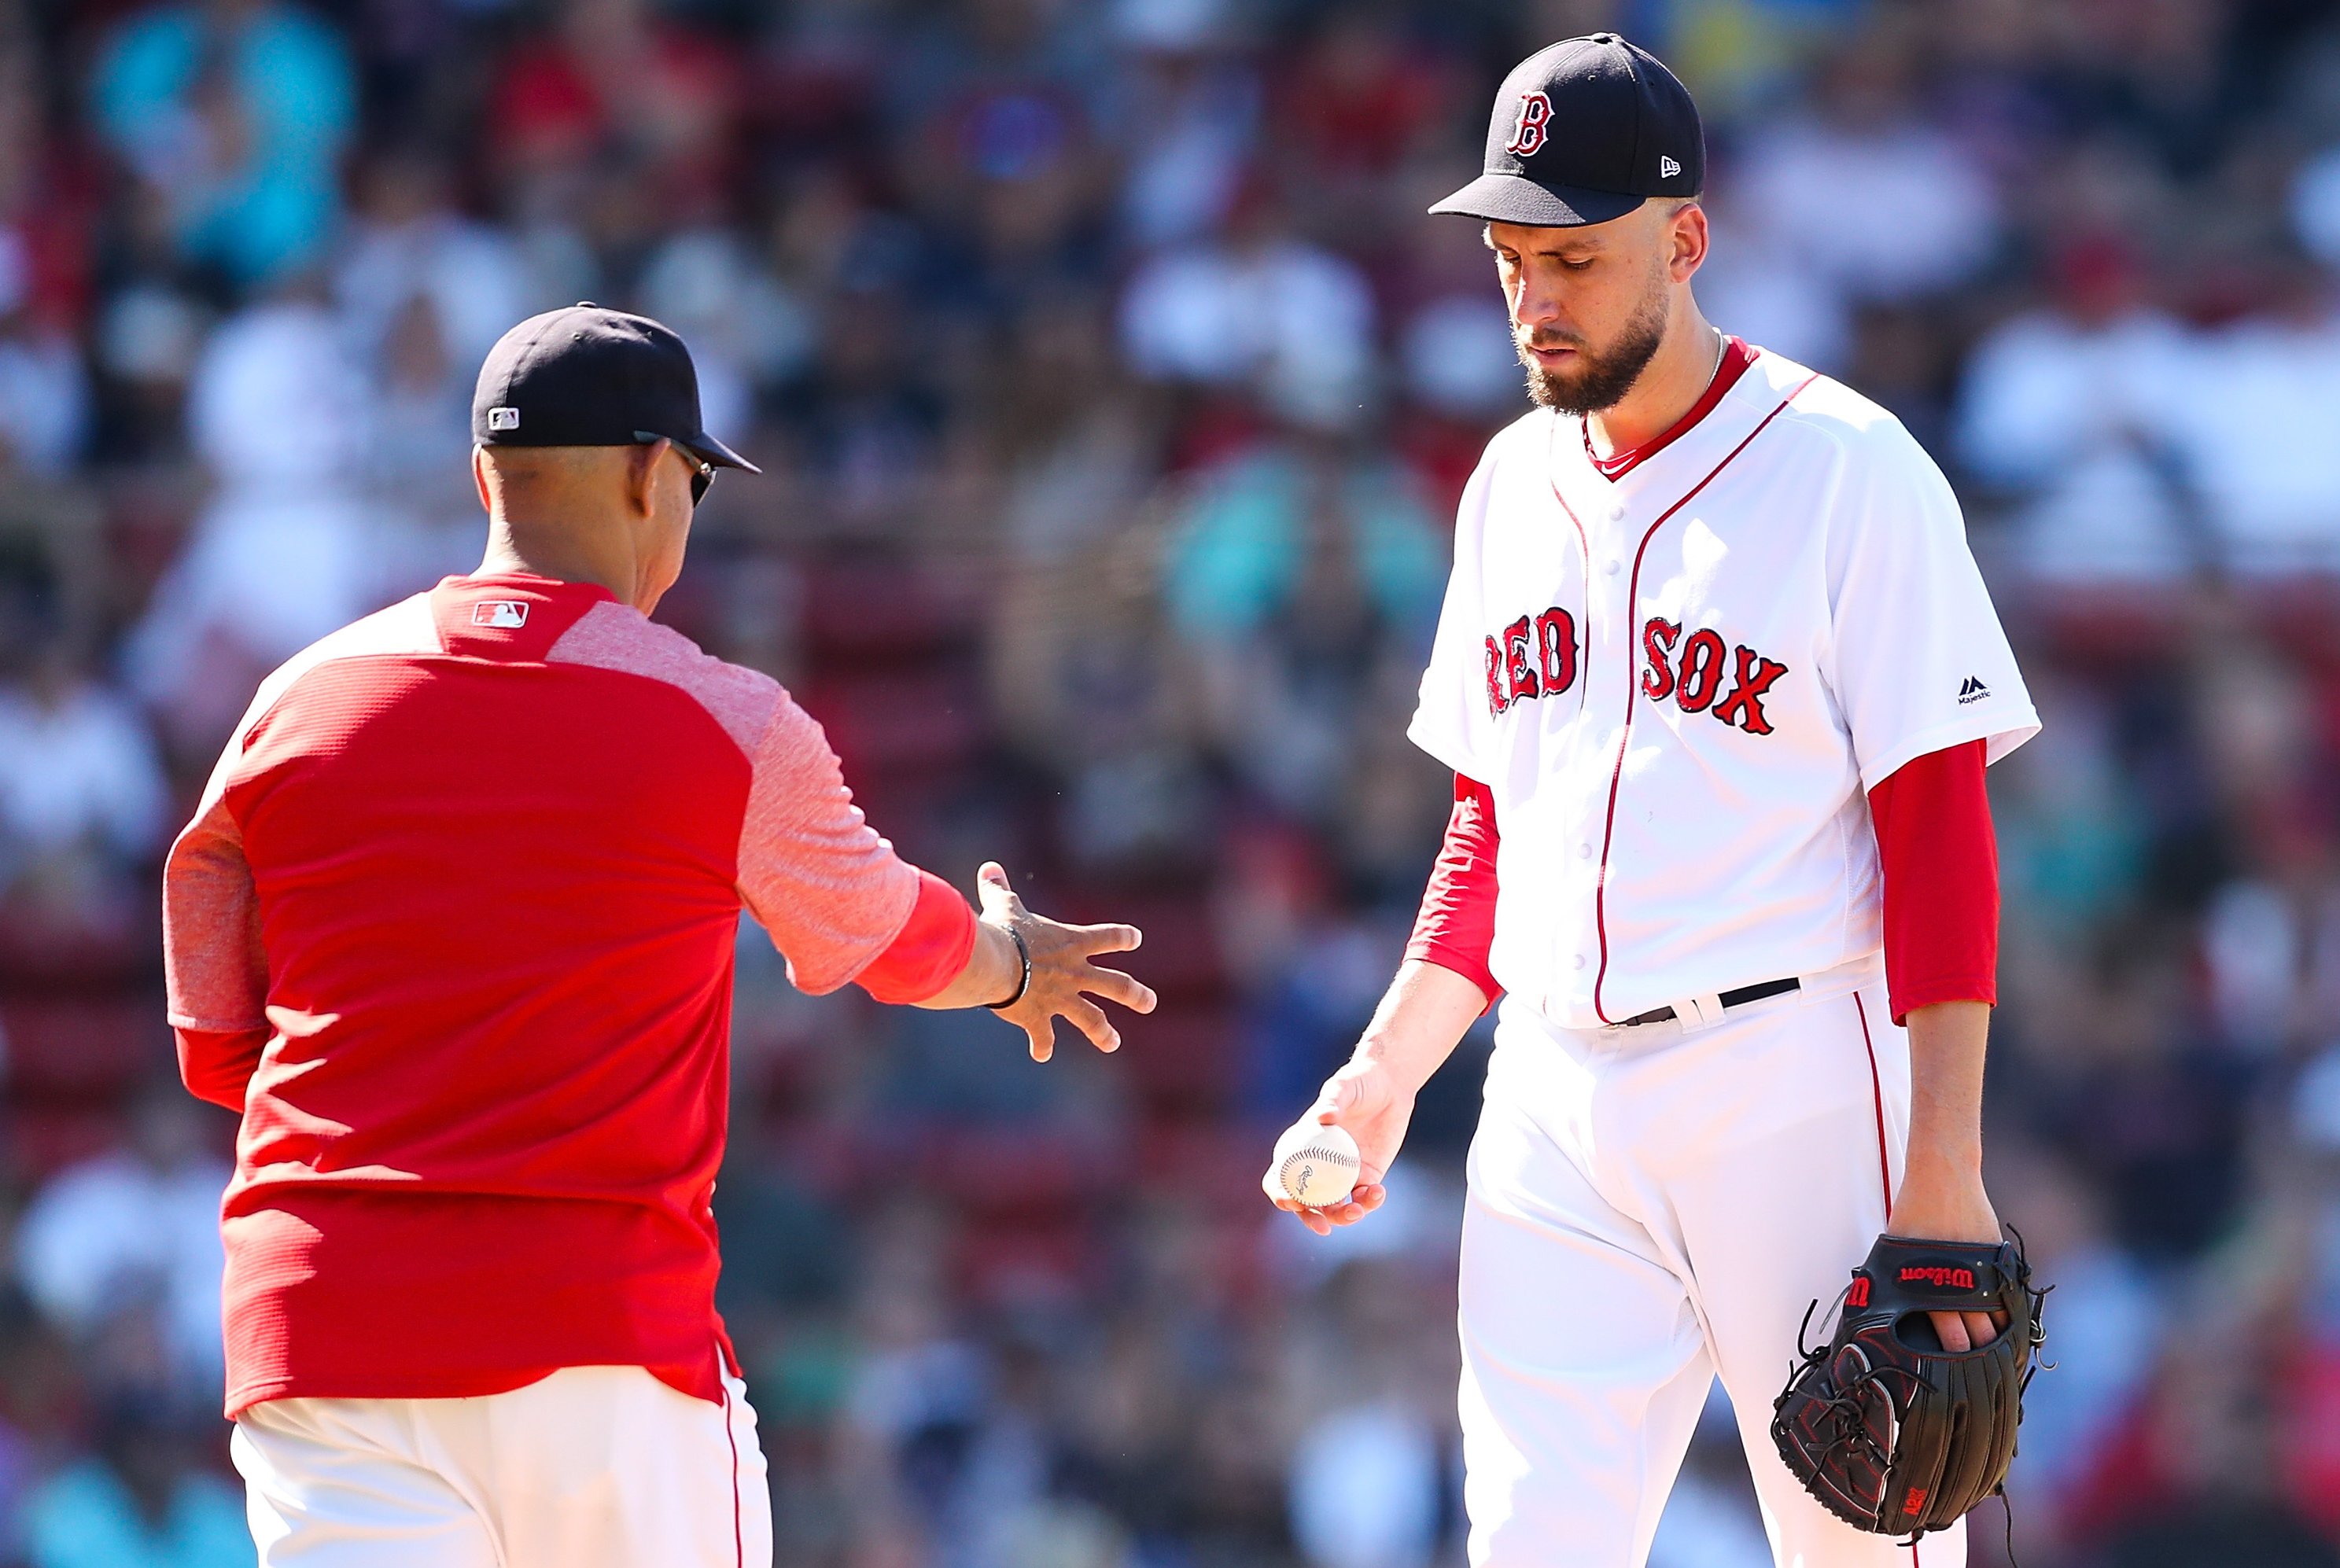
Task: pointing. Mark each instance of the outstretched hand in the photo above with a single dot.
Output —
(1063, 977)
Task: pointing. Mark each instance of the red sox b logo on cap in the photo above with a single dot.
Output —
(1528, 136)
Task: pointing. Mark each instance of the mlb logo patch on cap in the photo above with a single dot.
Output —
(505, 419)
(504, 613)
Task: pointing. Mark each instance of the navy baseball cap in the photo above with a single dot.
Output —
(583, 376)
(1583, 132)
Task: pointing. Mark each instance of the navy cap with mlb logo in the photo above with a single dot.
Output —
(1583, 132)
(584, 376)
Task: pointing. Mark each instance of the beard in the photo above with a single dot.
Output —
(1600, 380)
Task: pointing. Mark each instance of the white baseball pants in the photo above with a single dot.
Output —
(593, 1467)
(1650, 1206)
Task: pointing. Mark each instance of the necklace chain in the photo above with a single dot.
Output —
(1722, 346)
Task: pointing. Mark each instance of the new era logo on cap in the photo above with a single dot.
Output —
(1668, 168)
(505, 419)
(505, 613)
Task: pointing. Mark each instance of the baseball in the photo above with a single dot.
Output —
(1316, 1165)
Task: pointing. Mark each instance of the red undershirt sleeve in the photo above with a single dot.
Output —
(933, 948)
(1456, 925)
(216, 1065)
(1940, 865)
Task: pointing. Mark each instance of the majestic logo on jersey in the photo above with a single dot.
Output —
(1535, 657)
(1695, 680)
(1528, 136)
(1974, 691)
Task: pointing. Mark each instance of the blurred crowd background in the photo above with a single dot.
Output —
(1114, 395)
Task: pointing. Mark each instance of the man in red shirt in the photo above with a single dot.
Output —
(452, 929)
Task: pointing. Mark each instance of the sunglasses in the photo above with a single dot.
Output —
(701, 480)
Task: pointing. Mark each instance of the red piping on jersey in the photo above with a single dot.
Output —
(1583, 549)
(732, 1433)
(1877, 1098)
(1729, 365)
(1550, 437)
(1633, 683)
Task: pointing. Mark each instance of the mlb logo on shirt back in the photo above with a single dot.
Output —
(505, 613)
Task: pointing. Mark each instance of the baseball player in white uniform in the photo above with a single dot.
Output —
(1718, 679)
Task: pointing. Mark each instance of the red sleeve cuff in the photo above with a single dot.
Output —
(218, 1067)
(1911, 995)
(931, 950)
(1456, 928)
(1940, 860)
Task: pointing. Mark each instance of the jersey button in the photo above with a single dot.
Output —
(1576, 961)
(1611, 566)
(1584, 852)
(1616, 511)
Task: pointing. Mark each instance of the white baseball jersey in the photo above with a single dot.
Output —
(1679, 685)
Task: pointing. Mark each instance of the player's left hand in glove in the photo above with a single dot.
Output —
(1892, 1433)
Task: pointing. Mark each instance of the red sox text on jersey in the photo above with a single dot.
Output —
(1677, 681)
(1535, 656)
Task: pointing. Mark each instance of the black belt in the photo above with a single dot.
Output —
(1739, 998)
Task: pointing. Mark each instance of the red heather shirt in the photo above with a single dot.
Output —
(452, 928)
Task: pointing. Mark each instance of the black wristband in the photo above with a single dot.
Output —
(1024, 950)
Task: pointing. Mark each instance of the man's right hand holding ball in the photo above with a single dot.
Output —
(1425, 1014)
